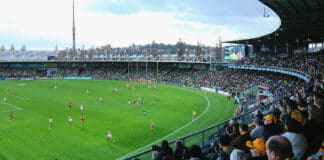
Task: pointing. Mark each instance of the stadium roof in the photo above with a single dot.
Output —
(302, 22)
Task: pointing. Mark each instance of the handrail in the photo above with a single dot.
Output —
(243, 116)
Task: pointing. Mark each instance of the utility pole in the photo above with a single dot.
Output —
(73, 29)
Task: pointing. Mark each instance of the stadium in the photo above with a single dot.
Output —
(171, 101)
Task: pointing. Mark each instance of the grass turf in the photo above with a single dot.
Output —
(28, 136)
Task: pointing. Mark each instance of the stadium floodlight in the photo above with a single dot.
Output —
(73, 28)
(265, 14)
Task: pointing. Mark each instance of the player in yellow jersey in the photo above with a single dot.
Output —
(50, 123)
(194, 114)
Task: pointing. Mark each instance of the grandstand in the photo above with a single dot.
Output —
(290, 69)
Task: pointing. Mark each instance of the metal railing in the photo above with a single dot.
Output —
(204, 136)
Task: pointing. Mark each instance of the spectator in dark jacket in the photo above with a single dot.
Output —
(180, 152)
(270, 128)
(165, 150)
(239, 141)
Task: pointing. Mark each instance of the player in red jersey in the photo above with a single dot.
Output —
(70, 105)
(82, 118)
(152, 127)
(11, 115)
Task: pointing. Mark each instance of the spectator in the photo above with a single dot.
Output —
(279, 148)
(257, 149)
(320, 154)
(314, 129)
(155, 152)
(237, 155)
(296, 138)
(257, 131)
(212, 150)
(165, 150)
(270, 128)
(319, 101)
(180, 152)
(239, 141)
(195, 152)
(233, 129)
(226, 148)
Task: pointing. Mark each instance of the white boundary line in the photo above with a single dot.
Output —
(11, 105)
(7, 92)
(175, 131)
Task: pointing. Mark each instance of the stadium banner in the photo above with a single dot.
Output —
(294, 73)
(50, 65)
(199, 66)
(3, 65)
(213, 90)
(140, 80)
(26, 65)
(177, 84)
(78, 78)
(184, 65)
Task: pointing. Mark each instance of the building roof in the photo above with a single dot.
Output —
(302, 22)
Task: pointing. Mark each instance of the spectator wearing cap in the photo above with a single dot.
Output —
(296, 138)
(270, 128)
(257, 149)
(239, 141)
(279, 148)
(257, 131)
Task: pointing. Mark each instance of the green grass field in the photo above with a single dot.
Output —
(28, 136)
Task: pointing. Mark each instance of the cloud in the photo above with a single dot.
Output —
(145, 27)
(38, 23)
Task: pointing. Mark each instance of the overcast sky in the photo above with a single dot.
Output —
(44, 23)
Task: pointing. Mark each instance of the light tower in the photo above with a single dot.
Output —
(73, 29)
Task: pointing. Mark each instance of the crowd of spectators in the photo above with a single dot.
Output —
(291, 129)
(311, 64)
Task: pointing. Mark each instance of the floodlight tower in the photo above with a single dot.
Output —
(73, 29)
